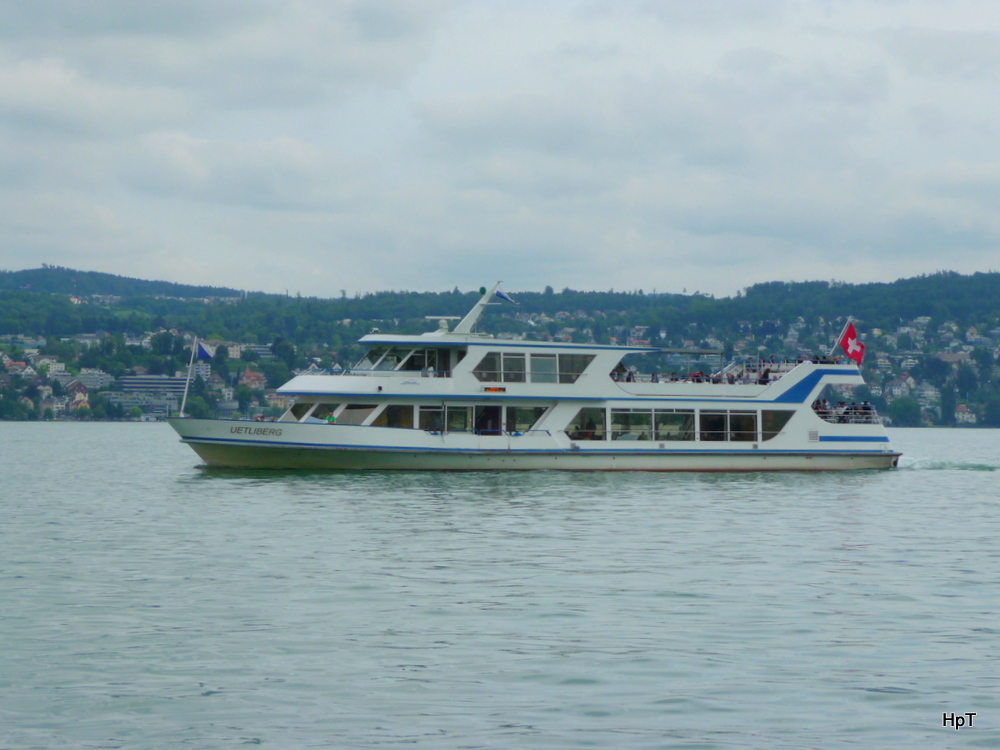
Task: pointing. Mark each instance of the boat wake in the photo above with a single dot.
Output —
(931, 464)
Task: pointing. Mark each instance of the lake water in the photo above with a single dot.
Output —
(146, 602)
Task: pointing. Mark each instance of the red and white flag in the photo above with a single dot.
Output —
(850, 343)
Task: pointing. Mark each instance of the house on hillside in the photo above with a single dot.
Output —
(255, 380)
(94, 378)
(275, 400)
(963, 415)
(76, 388)
(78, 395)
(900, 387)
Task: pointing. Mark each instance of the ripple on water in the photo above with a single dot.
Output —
(151, 603)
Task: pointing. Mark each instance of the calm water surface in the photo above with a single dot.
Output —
(147, 602)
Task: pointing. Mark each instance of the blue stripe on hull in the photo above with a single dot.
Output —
(848, 439)
(531, 451)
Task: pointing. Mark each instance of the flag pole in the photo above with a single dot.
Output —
(187, 383)
(840, 336)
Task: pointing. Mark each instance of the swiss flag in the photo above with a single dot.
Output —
(849, 343)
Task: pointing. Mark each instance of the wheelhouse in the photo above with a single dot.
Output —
(407, 359)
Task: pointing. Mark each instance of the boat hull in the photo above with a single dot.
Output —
(280, 446)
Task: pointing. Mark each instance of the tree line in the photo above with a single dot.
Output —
(325, 330)
(761, 309)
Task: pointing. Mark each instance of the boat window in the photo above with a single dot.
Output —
(355, 413)
(588, 424)
(422, 360)
(631, 424)
(496, 367)
(395, 415)
(571, 366)
(390, 360)
(414, 360)
(488, 420)
(544, 368)
(431, 362)
(713, 425)
(520, 419)
(368, 361)
(458, 419)
(323, 411)
(674, 424)
(773, 421)
(513, 368)
(743, 426)
(432, 418)
(300, 410)
(488, 369)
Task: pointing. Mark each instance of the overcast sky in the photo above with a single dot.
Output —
(668, 145)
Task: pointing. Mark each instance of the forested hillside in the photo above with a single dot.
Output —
(932, 341)
(38, 303)
(57, 280)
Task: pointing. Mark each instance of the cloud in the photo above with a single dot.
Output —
(268, 175)
(715, 15)
(48, 95)
(377, 144)
(945, 54)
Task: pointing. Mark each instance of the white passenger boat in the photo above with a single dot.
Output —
(460, 400)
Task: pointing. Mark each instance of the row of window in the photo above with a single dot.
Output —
(495, 367)
(677, 424)
(501, 367)
(431, 360)
(590, 423)
(486, 419)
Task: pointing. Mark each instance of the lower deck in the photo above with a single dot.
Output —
(664, 422)
(342, 446)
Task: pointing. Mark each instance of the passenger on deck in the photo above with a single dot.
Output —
(840, 411)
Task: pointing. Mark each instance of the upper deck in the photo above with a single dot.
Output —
(460, 363)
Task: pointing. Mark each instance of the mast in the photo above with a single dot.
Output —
(469, 321)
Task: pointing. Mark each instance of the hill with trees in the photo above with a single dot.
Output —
(942, 331)
(37, 302)
(57, 280)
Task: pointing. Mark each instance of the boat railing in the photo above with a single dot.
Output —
(744, 371)
(377, 373)
(694, 377)
(867, 417)
(843, 412)
(490, 433)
